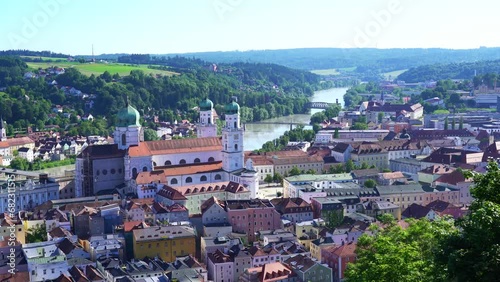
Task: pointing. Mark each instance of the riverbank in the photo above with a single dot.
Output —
(256, 134)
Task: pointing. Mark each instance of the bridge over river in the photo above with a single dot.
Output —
(319, 105)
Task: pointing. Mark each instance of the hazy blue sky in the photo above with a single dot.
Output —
(168, 26)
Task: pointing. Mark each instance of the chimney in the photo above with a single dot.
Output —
(43, 177)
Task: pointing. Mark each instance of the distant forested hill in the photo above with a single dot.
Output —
(327, 58)
(367, 64)
(450, 71)
(32, 53)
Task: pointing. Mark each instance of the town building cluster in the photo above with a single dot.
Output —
(199, 209)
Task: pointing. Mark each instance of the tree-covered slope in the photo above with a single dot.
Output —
(464, 70)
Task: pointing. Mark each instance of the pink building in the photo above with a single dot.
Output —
(337, 258)
(250, 216)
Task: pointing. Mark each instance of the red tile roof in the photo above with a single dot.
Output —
(191, 168)
(176, 146)
(132, 225)
(453, 178)
(346, 250)
(146, 177)
(20, 141)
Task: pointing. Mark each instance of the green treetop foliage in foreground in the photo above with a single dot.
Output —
(467, 249)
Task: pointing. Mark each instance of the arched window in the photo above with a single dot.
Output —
(183, 161)
(168, 163)
(203, 178)
(236, 146)
(154, 164)
(225, 147)
(197, 160)
(218, 177)
(134, 172)
(124, 139)
(211, 159)
(144, 169)
(173, 181)
(189, 180)
(235, 124)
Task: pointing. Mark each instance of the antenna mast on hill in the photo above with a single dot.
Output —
(93, 59)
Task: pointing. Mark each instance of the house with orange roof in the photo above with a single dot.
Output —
(270, 163)
(337, 258)
(4, 149)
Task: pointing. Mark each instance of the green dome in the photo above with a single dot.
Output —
(128, 116)
(232, 108)
(206, 105)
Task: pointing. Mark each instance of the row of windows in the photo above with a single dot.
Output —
(190, 180)
(183, 161)
(112, 171)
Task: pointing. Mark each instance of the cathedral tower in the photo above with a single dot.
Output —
(232, 139)
(129, 131)
(206, 126)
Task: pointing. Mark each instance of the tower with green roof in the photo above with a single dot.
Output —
(129, 131)
(232, 139)
(206, 126)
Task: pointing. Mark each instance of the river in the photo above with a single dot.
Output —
(257, 134)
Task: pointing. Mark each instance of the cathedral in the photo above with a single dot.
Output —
(103, 169)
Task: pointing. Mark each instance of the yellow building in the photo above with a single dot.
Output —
(370, 153)
(11, 227)
(166, 242)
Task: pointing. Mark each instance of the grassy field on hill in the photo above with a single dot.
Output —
(393, 74)
(99, 68)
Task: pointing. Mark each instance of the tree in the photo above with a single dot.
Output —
(396, 254)
(311, 171)
(150, 135)
(336, 134)
(370, 183)
(461, 123)
(36, 234)
(446, 123)
(20, 163)
(333, 218)
(359, 126)
(477, 246)
(380, 117)
(277, 177)
(349, 165)
(294, 171)
(453, 123)
(268, 179)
